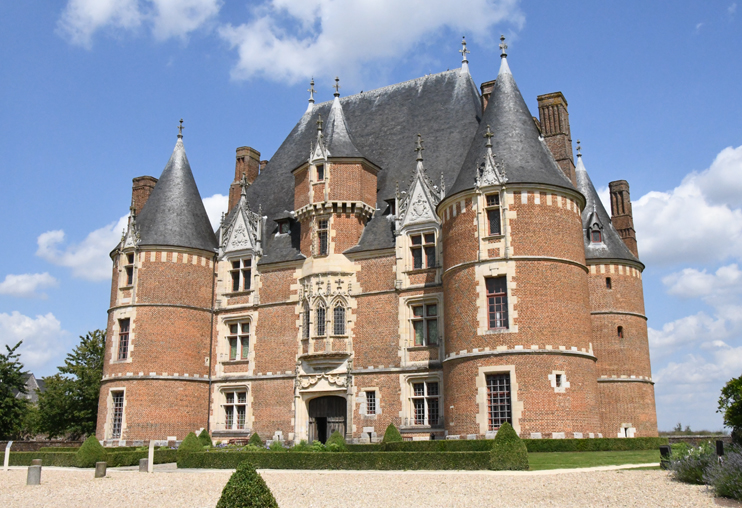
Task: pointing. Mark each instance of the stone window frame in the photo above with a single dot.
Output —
(115, 331)
(320, 168)
(363, 401)
(408, 332)
(225, 350)
(318, 238)
(507, 303)
(516, 405)
(408, 411)
(242, 280)
(221, 423)
(554, 381)
(424, 319)
(110, 413)
(129, 262)
(488, 207)
(123, 339)
(423, 248)
(336, 302)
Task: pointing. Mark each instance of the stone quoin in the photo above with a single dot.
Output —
(423, 254)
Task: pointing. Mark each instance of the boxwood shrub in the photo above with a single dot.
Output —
(57, 459)
(353, 461)
(508, 450)
(255, 439)
(392, 435)
(90, 452)
(205, 438)
(246, 489)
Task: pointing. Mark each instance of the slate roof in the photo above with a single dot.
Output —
(516, 142)
(382, 124)
(174, 213)
(338, 139)
(612, 246)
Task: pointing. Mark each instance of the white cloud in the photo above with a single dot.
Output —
(692, 283)
(26, 285)
(685, 333)
(43, 338)
(290, 41)
(215, 205)
(732, 9)
(81, 19)
(698, 221)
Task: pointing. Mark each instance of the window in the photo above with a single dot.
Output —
(239, 340)
(320, 172)
(558, 380)
(338, 319)
(123, 339)
(497, 303)
(425, 324)
(608, 283)
(306, 321)
(371, 403)
(320, 322)
(596, 236)
(620, 332)
(499, 408)
(118, 414)
(423, 251)
(241, 273)
(129, 268)
(235, 409)
(322, 237)
(425, 402)
(493, 214)
(283, 227)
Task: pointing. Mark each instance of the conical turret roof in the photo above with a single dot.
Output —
(516, 142)
(337, 138)
(174, 213)
(612, 246)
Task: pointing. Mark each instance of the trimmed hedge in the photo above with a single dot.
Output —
(392, 435)
(90, 452)
(205, 438)
(508, 450)
(255, 439)
(532, 445)
(246, 489)
(59, 449)
(353, 461)
(68, 459)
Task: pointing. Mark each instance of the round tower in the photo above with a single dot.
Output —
(156, 367)
(518, 331)
(625, 386)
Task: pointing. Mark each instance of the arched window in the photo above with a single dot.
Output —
(305, 332)
(338, 319)
(320, 316)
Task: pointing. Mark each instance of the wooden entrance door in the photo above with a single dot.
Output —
(326, 415)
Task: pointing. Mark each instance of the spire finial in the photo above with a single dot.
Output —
(311, 91)
(489, 136)
(319, 123)
(464, 51)
(244, 183)
(503, 47)
(180, 129)
(579, 149)
(419, 147)
(337, 86)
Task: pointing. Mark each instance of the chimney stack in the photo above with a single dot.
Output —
(554, 120)
(621, 215)
(247, 161)
(141, 188)
(486, 89)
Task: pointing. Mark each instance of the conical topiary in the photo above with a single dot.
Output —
(90, 452)
(190, 444)
(508, 450)
(336, 443)
(205, 438)
(392, 435)
(255, 439)
(246, 489)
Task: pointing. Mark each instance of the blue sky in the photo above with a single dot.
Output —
(91, 92)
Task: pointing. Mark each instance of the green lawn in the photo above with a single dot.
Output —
(564, 460)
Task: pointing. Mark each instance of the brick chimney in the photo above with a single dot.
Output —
(247, 161)
(554, 120)
(486, 89)
(141, 188)
(621, 216)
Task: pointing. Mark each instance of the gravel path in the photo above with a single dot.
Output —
(302, 489)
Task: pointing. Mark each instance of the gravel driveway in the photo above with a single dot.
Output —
(305, 489)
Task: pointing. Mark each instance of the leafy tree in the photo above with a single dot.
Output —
(69, 406)
(12, 409)
(730, 405)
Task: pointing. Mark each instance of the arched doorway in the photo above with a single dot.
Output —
(326, 415)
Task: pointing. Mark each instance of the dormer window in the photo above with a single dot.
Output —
(284, 228)
(129, 268)
(320, 172)
(423, 250)
(493, 215)
(596, 236)
(241, 274)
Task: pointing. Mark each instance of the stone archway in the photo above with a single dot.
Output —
(326, 415)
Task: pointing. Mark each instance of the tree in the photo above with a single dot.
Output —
(12, 410)
(730, 405)
(69, 406)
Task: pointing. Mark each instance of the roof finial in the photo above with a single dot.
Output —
(503, 47)
(319, 123)
(180, 129)
(337, 86)
(311, 91)
(244, 183)
(579, 149)
(419, 147)
(464, 51)
(489, 136)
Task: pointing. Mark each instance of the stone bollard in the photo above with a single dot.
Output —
(34, 475)
(36, 462)
(6, 460)
(143, 466)
(100, 469)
